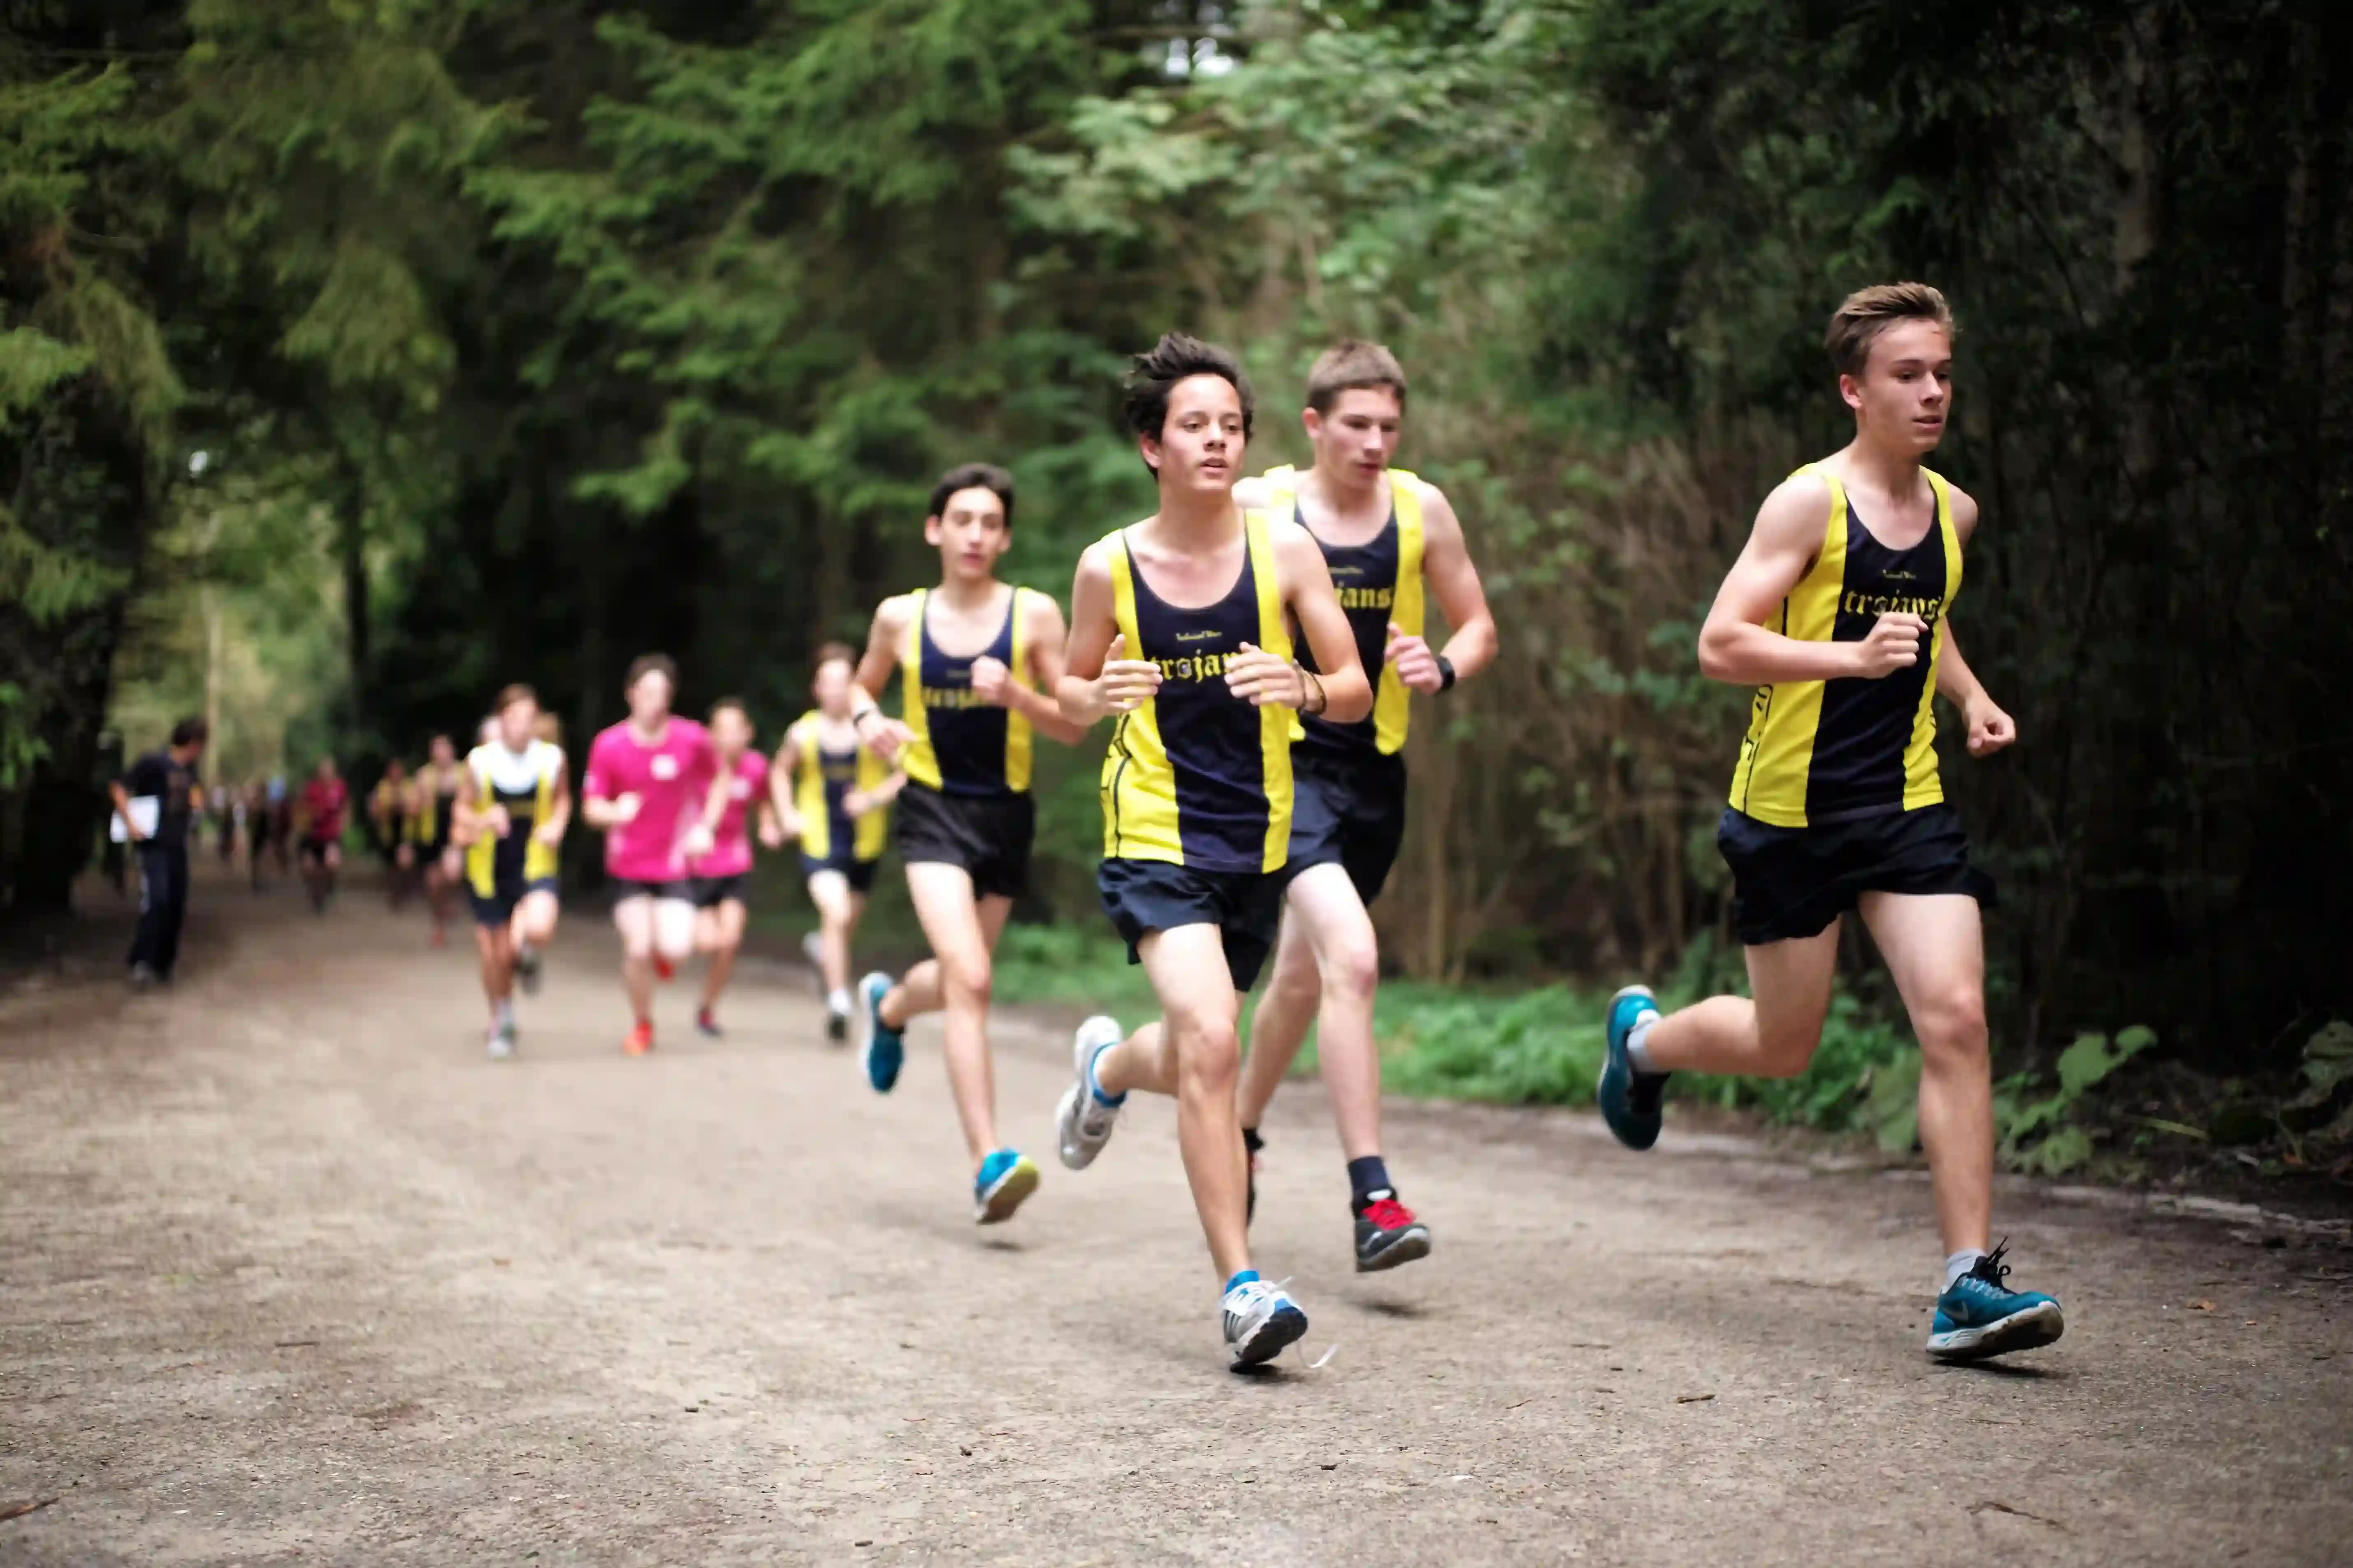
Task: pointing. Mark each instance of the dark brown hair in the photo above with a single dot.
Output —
(973, 477)
(829, 651)
(647, 664)
(1177, 357)
(510, 695)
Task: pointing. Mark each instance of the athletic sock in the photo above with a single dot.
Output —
(1094, 1084)
(1247, 1276)
(1960, 1263)
(1368, 1181)
(1638, 1048)
(837, 1000)
(1251, 1140)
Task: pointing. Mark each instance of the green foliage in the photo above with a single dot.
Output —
(2037, 1134)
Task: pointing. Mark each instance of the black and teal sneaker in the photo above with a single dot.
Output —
(1629, 1100)
(881, 1047)
(1979, 1316)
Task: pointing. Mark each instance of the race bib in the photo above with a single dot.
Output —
(665, 767)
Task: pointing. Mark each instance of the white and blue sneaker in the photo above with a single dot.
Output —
(879, 1046)
(1260, 1321)
(1978, 1316)
(1087, 1115)
(1629, 1098)
(1006, 1178)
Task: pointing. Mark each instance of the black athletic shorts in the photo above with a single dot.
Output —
(987, 835)
(1791, 882)
(500, 907)
(710, 893)
(316, 849)
(1246, 907)
(859, 874)
(1346, 811)
(680, 888)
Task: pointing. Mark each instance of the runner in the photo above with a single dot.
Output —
(391, 805)
(441, 860)
(1837, 613)
(648, 787)
(834, 795)
(724, 877)
(513, 803)
(166, 782)
(978, 655)
(325, 800)
(260, 829)
(1179, 626)
(1388, 538)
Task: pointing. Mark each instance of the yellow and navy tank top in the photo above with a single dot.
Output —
(1197, 776)
(1377, 582)
(825, 778)
(1824, 751)
(525, 785)
(435, 796)
(390, 801)
(964, 745)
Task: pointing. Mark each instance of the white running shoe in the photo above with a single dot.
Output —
(1083, 1122)
(502, 1040)
(1260, 1322)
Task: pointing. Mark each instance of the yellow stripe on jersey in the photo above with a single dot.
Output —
(1924, 784)
(916, 758)
(1016, 725)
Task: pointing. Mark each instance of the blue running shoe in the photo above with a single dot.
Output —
(1006, 1178)
(880, 1046)
(1629, 1100)
(1980, 1316)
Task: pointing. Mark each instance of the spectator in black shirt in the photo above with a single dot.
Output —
(169, 775)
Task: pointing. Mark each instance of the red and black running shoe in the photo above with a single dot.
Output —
(1387, 1233)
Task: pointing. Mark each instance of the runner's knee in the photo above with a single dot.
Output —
(1208, 1056)
(967, 977)
(1951, 1026)
(1784, 1046)
(1352, 969)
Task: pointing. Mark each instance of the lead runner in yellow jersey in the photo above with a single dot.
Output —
(1838, 614)
(1179, 625)
(980, 657)
(1392, 542)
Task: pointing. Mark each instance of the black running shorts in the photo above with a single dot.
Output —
(1246, 907)
(500, 907)
(710, 893)
(1789, 882)
(1346, 811)
(859, 874)
(987, 835)
(626, 887)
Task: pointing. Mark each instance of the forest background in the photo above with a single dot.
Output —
(361, 356)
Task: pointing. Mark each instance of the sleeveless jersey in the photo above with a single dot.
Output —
(1379, 582)
(825, 776)
(1826, 751)
(436, 798)
(390, 801)
(525, 785)
(1197, 776)
(962, 744)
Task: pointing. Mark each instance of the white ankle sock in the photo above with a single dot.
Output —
(1960, 1263)
(1638, 1045)
(837, 1000)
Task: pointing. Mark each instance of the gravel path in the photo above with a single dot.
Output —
(290, 1273)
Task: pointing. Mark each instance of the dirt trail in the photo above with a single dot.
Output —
(290, 1273)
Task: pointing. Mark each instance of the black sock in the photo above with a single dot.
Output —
(1251, 1140)
(1365, 1177)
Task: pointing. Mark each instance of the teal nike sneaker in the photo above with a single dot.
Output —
(881, 1048)
(1005, 1180)
(1981, 1317)
(1629, 1098)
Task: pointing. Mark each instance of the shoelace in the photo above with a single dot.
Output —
(1256, 1290)
(1992, 1269)
(1387, 1214)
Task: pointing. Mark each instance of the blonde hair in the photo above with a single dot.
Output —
(1867, 313)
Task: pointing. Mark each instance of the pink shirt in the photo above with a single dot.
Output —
(671, 782)
(731, 848)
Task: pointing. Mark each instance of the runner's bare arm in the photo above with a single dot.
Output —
(1097, 676)
(559, 807)
(1454, 578)
(783, 771)
(1735, 646)
(1046, 635)
(1990, 728)
(885, 734)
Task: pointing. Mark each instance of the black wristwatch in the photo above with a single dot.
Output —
(1445, 673)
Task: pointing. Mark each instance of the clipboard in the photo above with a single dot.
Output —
(146, 810)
